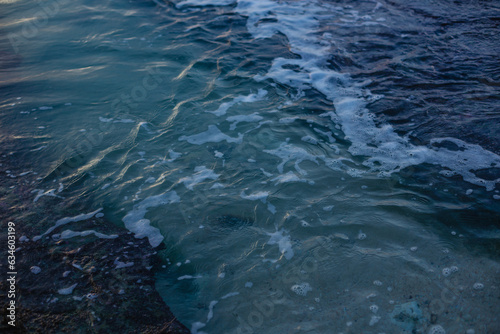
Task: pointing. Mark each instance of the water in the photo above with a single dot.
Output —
(311, 166)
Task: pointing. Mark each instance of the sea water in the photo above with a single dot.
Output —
(311, 166)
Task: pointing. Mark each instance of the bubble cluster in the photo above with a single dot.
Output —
(437, 329)
(374, 308)
(478, 286)
(446, 272)
(377, 283)
(301, 289)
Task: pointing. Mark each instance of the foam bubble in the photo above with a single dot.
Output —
(446, 272)
(437, 329)
(304, 223)
(478, 286)
(301, 289)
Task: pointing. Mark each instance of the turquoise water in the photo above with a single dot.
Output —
(310, 166)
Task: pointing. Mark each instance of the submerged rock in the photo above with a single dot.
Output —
(88, 284)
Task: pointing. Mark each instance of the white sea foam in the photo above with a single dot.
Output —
(301, 289)
(283, 241)
(288, 152)
(224, 107)
(231, 294)
(385, 150)
(243, 118)
(310, 140)
(173, 155)
(67, 234)
(212, 135)
(188, 277)
(217, 185)
(201, 174)
(211, 309)
(112, 120)
(67, 220)
(136, 223)
(204, 3)
(288, 120)
(260, 195)
(42, 193)
(288, 177)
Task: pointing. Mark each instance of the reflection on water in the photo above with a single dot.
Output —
(310, 166)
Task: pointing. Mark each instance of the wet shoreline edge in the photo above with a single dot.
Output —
(83, 284)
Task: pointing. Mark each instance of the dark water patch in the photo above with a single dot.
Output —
(438, 70)
(228, 223)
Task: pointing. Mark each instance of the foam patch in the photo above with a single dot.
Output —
(212, 135)
(136, 223)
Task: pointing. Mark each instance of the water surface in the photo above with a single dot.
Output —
(310, 166)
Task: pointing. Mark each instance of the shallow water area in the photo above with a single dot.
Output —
(310, 166)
